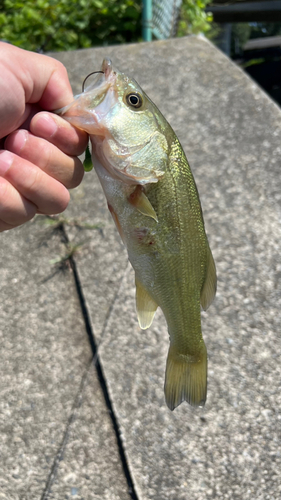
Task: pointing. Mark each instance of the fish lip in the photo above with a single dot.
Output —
(81, 114)
(107, 67)
(80, 108)
(92, 91)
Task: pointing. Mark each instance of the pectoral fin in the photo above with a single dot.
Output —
(139, 200)
(146, 306)
(209, 288)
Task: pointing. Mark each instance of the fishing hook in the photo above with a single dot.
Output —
(90, 74)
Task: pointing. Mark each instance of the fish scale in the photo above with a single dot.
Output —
(153, 199)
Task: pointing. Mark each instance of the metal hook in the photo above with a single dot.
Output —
(90, 74)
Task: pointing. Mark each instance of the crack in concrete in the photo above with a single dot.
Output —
(77, 403)
(95, 360)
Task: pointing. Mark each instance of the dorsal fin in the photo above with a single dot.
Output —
(209, 287)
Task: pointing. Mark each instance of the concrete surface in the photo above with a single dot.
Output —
(231, 133)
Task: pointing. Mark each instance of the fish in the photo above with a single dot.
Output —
(154, 202)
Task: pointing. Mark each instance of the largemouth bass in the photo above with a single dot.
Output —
(153, 199)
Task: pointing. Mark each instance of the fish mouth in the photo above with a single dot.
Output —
(107, 67)
(89, 108)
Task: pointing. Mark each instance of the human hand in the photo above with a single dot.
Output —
(38, 149)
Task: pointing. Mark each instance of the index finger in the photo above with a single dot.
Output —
(59, 132)
(43, 79)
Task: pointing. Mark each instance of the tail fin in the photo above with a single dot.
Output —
(186, 378)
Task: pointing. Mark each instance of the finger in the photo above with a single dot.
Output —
(43, 78)
(49, 195)
(59, 132)
(6, 227)
(66, 169)
(14, 208)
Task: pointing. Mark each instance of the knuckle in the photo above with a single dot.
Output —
(64, 200)
(77, 175)
(56, 64)
(33, 180)
(4, 191)
(14, 209)
(46, 154)
(59, 203)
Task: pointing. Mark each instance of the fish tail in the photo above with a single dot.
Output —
(186, 378)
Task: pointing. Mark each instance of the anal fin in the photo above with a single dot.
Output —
(209, 287)
(139, 200)
(146, 306)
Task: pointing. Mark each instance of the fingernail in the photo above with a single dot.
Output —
(48, 126)
(20, 141)
(6, 160)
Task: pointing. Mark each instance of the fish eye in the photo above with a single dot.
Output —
(134, 100)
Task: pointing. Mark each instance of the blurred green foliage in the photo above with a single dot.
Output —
(194, 19)
(51, 25)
